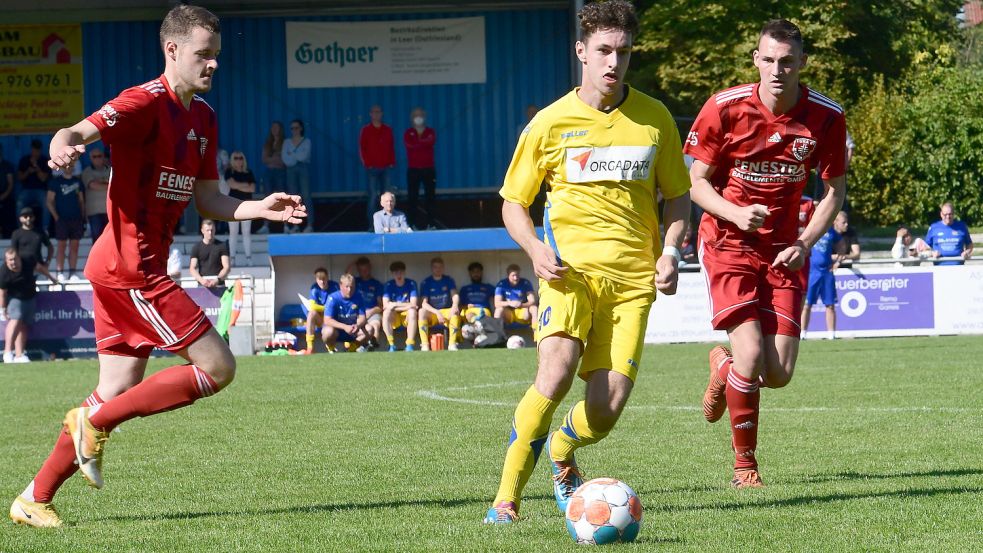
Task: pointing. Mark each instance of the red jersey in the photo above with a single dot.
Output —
(419, 148)
(159, 149)
(807, 208)
(766, 159)
(375, 145)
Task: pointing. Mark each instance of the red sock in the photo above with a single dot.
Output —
(169, 389)
(60, 465)
(724, 369)
(743, 399)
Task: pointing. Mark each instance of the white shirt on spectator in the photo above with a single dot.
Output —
(386, 223)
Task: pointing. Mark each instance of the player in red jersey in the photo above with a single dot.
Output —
(163, 139)
(754, 147)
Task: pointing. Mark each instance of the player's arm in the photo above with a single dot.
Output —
(277, 207)
(795, 255)
(853, 253)
(500, 301)
(193, 269)
(3, 302)
(226, 266)
(748, 218)
(839, 253)
(81, 200)
(49, 202)
(455, 301)
(530, 299)
(520, 226)
(68, 144)
(675, 214)
(967, 246)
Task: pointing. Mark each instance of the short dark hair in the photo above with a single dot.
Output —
(475, 265)
(183, 19)
(36, 144)
(397, 266)
(511, 268)
(784, 31)
(362, 261)
(437, 259)
(303, 127)
(320, 270)
(613, 14)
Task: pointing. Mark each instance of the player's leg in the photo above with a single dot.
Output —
(314, 321)
(425, 320)
(453, 328)
(60, 255)
(831, 321)
(233, 238)
(744, 398)
(829, 300)
(329, 335)
(812, 296)
(388, 316)
(411, 325)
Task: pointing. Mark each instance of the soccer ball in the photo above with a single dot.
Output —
(604, 510)
(516, 342)
(468, 332)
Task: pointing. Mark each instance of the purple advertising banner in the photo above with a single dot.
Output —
(880, 301)
(64, 324)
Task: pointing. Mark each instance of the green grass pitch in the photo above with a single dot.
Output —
(877, 445)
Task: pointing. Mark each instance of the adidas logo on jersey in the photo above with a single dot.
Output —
(191, 135)
(775, 138)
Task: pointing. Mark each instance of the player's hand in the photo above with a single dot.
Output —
(544, 262)
(666, 274)
(793, 257)
(283, 208)
(353, 330)
(440, 318)
(749, 218)
(967, 254)
(936, 253)
(65, 157)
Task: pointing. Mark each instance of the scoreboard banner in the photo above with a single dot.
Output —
(40, 78)
(385, 53)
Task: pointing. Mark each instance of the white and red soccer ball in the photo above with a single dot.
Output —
(604, 510)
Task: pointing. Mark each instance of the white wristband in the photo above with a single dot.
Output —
(673, 251)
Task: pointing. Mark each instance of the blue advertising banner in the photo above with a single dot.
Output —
(898, 300)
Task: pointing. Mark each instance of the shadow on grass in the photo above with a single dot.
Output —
(851, 475)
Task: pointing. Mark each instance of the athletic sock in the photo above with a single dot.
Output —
(743, 400)
(575, 432)
(455, 329)
(391, 339)
(723, 370)
(169, 389)
(310, 342)
(530, 427)
(59, 466)
(424, 334)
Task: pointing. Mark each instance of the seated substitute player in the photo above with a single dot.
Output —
(477, 297)
(157, 169)
(607, 151)
(515, 299)
(316, 300)
(754, 146)
(826, 256)
(371, 291)
(399, 307)
(440, 304)
(344, 317)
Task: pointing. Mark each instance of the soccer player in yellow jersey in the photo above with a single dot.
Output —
(607, 152)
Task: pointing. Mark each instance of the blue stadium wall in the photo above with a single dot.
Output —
(527, 58)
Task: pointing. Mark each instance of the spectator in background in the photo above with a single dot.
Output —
(174, 264)
(440, 305)
(8, 202)
(344, 317)
(17, 292)
(399, 306)
(477, 298)
(907, 246)
(371, 292)
(850, 147)
(419, 140)
(949, 237)
(321, 289)
(378, 155)
(67, 207)
(825, 257)
(296, 156)
(276, 171)
(387, 220)
(850, 241)
(241, 184)
(209, 259)
(95, 178)
(515, 300)
(33, 174)
(687, 251)
(531, 111)
(28, 240)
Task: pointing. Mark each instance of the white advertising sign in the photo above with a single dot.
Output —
(385, 53)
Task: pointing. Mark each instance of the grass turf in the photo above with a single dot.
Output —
(877, 445)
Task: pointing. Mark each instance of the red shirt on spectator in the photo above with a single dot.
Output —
(375, 146)
(419, 147)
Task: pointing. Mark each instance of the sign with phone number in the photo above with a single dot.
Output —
(40, 78)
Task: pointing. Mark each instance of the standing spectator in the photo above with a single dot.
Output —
(17, 291)
(515, 300)
(907, 246)
(687, 251)
(67, 207)
(949, 237)
(825, 257)
(28, 240)
(371, 291)
(296, 156)
(850, 241)
(33, 174)
(376, 150)
(209, 258)
(96, 181)
(241, 184)
(850, 147)
(387, 220)
(8, 202)
(276, 171)
(419, 140)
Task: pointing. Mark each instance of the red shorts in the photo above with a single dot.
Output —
(745, 287)
(132, 322)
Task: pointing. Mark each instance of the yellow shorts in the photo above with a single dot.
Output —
(431, 319)
(608, 317)
(399, 319)
(520, 315)
(472, 313)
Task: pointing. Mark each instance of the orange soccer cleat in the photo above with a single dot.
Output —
(747, 478)
(715, 398)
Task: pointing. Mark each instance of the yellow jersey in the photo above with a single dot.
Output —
(605, 172)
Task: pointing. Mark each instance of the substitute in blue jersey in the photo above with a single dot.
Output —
(399, 306)
(439, 305)
(949, 237)
(371, 291)
(318, 296)
(515, 299)
(477, 298)
(826, 255)
(344, 317)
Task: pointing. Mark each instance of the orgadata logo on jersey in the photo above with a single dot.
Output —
(609, 163)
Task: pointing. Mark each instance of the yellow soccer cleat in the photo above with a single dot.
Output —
(38, 515)
(89, 444)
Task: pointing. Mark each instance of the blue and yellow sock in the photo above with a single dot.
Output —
(575, 432)
(424, 334)
(530, 427)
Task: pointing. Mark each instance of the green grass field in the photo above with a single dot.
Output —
(876, 446)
